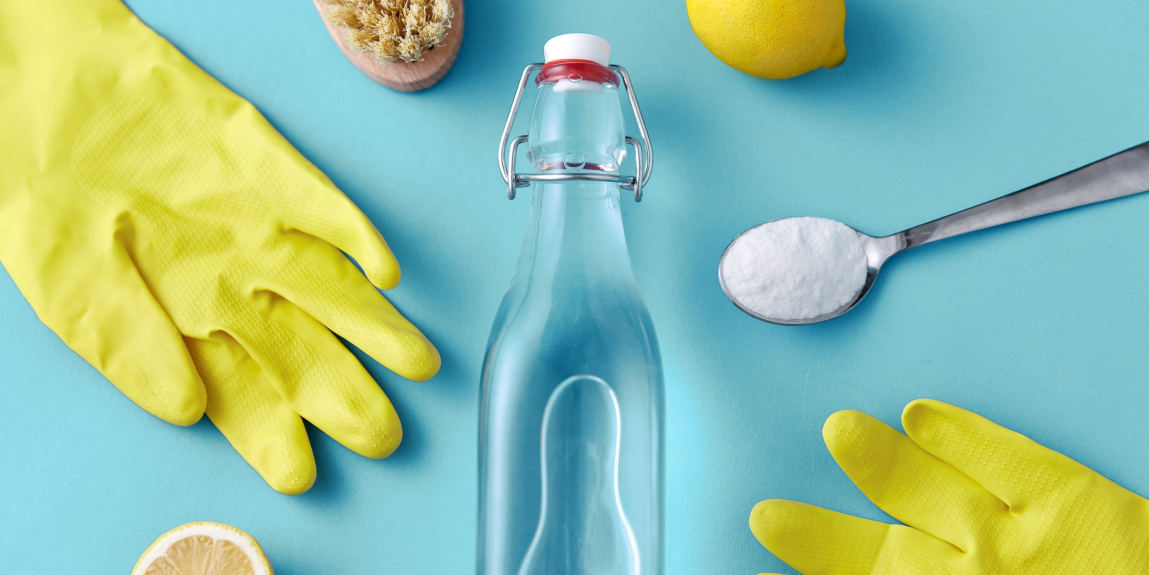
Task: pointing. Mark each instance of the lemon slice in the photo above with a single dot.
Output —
(203, 548)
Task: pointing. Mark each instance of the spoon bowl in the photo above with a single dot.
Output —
(877, 251)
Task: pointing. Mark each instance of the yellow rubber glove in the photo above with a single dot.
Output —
(176, 241)
(976, 499)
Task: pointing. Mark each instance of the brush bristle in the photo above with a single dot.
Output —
(393, 29)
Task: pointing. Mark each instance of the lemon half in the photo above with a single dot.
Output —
(773, 39)
(203, 548)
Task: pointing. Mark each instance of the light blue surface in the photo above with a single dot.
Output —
(1041, 326)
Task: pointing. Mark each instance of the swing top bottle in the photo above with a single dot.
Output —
(571, 421)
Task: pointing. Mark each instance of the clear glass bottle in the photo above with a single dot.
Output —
(571, 423)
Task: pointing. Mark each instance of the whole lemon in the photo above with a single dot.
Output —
(773, 39)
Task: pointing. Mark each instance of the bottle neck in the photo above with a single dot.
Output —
(577, 126)
(575, 235)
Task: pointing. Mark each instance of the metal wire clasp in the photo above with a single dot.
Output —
(643, 155)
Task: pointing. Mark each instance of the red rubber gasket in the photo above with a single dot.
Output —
(556, 70)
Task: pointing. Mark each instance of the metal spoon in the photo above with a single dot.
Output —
(1122, 174)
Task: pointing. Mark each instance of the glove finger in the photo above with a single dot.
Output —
(313, 205)
(316, 375)
(320, 280)
(1002, 461)
(817, 541)
(258, 423)
(905, 481)
(113, 321)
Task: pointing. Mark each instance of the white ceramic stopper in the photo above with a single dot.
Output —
(577, 47)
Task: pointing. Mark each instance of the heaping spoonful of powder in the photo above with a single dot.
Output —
(794, 268)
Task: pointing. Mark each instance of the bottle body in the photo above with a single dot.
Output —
(574, 315)
(571, 452)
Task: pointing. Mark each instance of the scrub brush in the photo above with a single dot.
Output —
(406, 45)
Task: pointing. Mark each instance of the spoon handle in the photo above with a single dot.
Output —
(1122, 174)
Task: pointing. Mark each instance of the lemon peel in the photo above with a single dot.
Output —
(773, 39)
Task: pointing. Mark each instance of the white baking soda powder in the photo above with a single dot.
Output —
(794, 268)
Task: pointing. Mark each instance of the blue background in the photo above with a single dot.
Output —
(941, 105)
